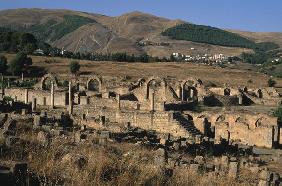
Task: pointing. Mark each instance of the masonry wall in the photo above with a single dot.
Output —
(261, 137)
(161, 122)
(60, 98)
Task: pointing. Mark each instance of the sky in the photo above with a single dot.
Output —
(247, 15)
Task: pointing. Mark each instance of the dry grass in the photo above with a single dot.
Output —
(232, 77)
(66, 163)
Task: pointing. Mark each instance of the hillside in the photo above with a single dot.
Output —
(86, 32)
(207, 34)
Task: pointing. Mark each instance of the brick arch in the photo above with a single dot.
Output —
(95, 78)
(149, 80)
(193, 84)
(141, 81)
(47, 76)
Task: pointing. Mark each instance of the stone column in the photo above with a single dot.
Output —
(179, 92)
(33, 104)
(118, 101)
(22, 77)
(191, 93)
(70, 100)
(240, 97)
(182, 93)
(26, 96)
(44, 101)
(152, 101)
(52, 95)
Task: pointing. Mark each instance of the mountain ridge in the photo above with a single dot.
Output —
(109, 34)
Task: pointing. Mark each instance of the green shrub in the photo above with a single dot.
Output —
(74, 67)
(271, 82)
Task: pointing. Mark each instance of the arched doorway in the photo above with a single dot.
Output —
(155, 85)
(189, 89)
(47, 80)
(94, 84)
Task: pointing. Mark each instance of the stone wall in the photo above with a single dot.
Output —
(43, 97)
(248, 129)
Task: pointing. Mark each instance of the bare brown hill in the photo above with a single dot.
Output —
(100, 33)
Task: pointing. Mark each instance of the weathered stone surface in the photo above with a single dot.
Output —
(194, 168)
(160, 157)
(264, 175)
(36, 120)
(199, 159)
(233, 169)
(44, 138)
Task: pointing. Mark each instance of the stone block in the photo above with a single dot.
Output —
(160, 157)
(199, 159)
(44, 138)
(105, 134)
(176, 145)
(37, 120)
(194, 168)
(263, 183)
(233, 169)
(264, 175)
(224, 161)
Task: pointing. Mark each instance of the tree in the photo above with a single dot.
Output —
(271, 82)
(19, 63)
(74, 67)
(3, 64)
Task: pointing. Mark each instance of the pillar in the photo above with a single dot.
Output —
(191, 93)
(26, 96)
(152, 101)
(182, 93)
(179, 92)
(33, 104)
(44, 101)
(22, 77)
(70, 100)
(118, 101)
(240, 97)
(52, 95)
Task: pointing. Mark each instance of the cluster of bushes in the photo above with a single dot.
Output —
(19, 64)
(12, 41)
(118, 57)
(261, 55)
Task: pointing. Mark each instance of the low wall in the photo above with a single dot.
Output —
(43, 97)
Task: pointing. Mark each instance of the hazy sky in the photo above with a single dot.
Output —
(251, 15)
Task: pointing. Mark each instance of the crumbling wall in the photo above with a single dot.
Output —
(43, 97)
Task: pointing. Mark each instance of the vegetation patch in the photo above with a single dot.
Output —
(207, 34)
(53, 30)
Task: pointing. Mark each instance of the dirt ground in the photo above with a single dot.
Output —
(217, 75)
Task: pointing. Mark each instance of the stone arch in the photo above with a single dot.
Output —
(220, 118)
(91, 83)
(192, 91)
(140, 81)
(149, 80)
(259, 93)
(48, 76)
(193, 82)
(259, 121)
(189, 117)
